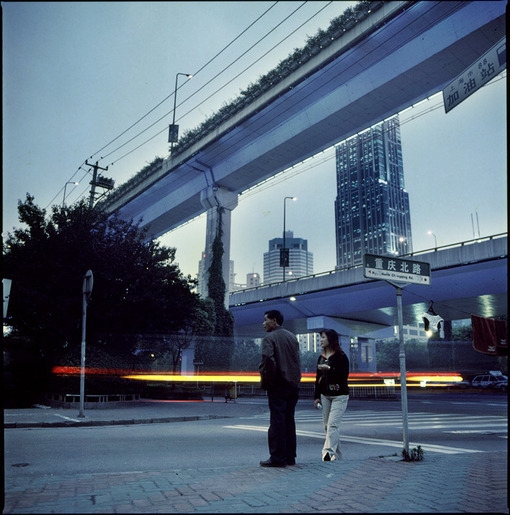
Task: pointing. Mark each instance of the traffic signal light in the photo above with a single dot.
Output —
(284, 257)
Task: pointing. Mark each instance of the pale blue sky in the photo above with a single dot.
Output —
(78, 74)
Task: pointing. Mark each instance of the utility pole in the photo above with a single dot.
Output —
(94, 182)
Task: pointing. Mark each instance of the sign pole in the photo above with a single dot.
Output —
(403, 372)
(399, 272)
(88, 281)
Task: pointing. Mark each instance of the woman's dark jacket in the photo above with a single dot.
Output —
(334, 380)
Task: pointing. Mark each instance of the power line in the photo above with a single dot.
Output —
(198, 71)
(213, 78)
(171, 94)
(211, 60)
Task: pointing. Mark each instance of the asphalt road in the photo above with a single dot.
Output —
(442, 423)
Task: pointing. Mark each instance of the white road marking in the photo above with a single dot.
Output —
(67, 418)
(367, 441)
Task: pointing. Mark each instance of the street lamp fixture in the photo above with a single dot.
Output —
(173, 130)
(435, 239)
(65, 187)
(402, 242)
(284, 255)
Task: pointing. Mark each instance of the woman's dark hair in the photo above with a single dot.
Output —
(333, 341)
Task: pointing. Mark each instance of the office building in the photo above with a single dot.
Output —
(372, 206)
(252, 280)
(300, 259)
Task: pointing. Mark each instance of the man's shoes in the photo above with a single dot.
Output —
(326, 457)
(270, 463)
(291, 462)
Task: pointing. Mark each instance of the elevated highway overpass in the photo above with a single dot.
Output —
(466, 278)
(400, 54)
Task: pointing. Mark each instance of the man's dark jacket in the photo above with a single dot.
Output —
(280, 364)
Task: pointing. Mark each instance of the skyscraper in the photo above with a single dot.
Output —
(372, 207)
(300, 259)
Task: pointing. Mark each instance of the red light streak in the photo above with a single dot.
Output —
(355, 378)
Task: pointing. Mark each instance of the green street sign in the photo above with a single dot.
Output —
(396, 269)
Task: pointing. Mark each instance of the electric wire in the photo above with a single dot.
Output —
(154, 108)
(255, 187)
(319, 80)
(195, 74)
(215, 77)
(198, 71)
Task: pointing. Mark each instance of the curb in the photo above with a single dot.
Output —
(88, 423)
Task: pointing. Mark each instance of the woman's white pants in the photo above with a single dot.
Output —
(333, 409)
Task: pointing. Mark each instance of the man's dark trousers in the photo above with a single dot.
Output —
(282, 400)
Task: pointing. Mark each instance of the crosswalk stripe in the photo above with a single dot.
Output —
(367, 441)
(420, 420)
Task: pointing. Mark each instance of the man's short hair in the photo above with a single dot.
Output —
(274, 314)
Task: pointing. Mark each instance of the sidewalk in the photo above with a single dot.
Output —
(136, 412)
(458, 483)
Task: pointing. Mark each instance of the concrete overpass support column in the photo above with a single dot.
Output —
(366, 355)
(218, 201)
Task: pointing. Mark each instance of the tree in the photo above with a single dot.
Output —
(137, 287)
(387, 352)
(246, 356)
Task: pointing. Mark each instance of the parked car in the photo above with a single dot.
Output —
(499, 382)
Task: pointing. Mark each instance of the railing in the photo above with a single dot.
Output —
(69, 400)
(352, 267)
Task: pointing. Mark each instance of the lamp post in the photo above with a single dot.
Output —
(435, 239)
(285, 256)
(402, 245)
(64, 199)
(173, 130)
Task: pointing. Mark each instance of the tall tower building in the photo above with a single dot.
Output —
(300, 260)
(372, 207)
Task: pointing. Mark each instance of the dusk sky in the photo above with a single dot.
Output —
(95, 80)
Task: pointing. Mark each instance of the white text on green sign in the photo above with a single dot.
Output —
(396, 269)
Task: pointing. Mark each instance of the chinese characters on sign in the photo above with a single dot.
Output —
(396, 269)
(491, 64)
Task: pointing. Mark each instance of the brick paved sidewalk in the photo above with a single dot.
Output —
(460, 483)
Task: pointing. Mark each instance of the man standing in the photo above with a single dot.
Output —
(280, 375)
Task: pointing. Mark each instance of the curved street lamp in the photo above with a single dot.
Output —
(64, 199)
(435, 239)
(173, 130)
(284, 255)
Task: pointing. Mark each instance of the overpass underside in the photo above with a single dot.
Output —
(467, 279)
(401, 54)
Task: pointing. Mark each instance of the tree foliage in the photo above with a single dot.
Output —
(137, 288)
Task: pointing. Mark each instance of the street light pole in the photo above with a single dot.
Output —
(435, 239)
(284, 244)
(173, 133)
(64, 199)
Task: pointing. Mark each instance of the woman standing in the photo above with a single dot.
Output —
(331, 391)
